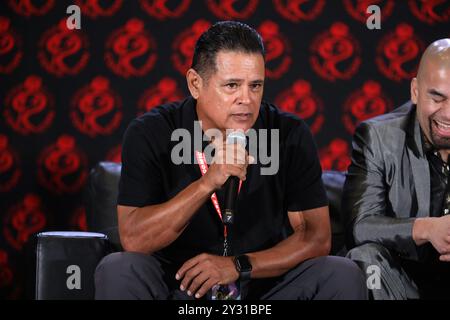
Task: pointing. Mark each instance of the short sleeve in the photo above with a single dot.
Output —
(140, 179)
(304, 186)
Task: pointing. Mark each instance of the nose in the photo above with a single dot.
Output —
(244, 96)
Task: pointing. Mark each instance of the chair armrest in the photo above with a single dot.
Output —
(66, 262)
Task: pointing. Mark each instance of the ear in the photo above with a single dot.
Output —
(414, 91)
(194, 82)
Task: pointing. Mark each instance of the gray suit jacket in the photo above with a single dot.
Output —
(388, 182)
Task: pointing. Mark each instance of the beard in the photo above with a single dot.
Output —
(438, 141)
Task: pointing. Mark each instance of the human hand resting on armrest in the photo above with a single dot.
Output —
(436, 231)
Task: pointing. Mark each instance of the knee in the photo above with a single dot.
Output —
(109, 264)
(128, 275)
(114, 266)
(342, 270)
(369, 253)
(344, 277)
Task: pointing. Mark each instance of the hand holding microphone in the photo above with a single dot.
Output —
(229, 166)
(236, 138)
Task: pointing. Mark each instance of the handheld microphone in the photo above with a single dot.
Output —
(232, 184)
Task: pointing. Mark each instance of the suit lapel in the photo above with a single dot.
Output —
(419, 167)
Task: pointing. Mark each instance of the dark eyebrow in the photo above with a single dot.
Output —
(434, 92)
(240, 80)
(232, 80)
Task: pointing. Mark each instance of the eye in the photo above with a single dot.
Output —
(232, 85)
(256, 86)
(437, 100)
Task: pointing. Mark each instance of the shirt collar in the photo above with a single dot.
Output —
(427, 145)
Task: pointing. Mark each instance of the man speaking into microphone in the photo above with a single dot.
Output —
(219, 225)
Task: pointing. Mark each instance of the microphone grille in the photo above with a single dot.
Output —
(237, 137)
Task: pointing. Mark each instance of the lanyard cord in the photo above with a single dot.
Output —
(203, 169)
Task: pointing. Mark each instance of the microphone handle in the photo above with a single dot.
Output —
(231, 193)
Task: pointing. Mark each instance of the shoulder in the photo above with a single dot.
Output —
(275, 118)
(386, 133)
(398, 119)
(160, 119)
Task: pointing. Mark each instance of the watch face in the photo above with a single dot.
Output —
(243, 263)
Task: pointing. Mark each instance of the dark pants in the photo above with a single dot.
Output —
(402, 279)
(126, 275)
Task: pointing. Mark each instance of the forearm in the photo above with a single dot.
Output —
(151, 228)
(394, 233)
(295, 249)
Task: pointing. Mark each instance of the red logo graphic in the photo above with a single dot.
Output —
(398, 53)
(299, 10)
(29, 108)
(97, 8)
(9, 166)
(357, 9)
(300, 100)
(96, 109)
(184, 44)
(335, 53)
(62, 51)
(363, 104)
(6, 274)
(430, 11)
(335, 156)
(22, 220)
(62, 168)
(232, 9)
(78, 219)
(131, 50)
(164, 91)
(10, 47)
(278, 50)
(29, 8)
(115, 154)
(162, 10)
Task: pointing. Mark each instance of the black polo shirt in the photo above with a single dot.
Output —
(149, 177)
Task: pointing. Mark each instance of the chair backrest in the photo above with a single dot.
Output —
(101, 201)
(334, 184)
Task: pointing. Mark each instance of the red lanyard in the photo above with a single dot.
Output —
(203, 169)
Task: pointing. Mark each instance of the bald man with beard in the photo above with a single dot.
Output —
(397, 196)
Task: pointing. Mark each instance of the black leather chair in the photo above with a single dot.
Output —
(66, 260)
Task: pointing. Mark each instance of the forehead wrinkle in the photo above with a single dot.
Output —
(228, 60)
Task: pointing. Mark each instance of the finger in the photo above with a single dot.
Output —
(250, 160)
(237, 171)
(219, 151)
(218, 140)
(185, 267)
(197, 282)
(206, 286)
(444, 257)
(241, 154)
(235, 154)
(189, 276)
(220, 155)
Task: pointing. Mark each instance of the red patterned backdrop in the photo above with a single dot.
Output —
(66, 96)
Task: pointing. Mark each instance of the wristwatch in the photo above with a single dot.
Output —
(243, 266)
